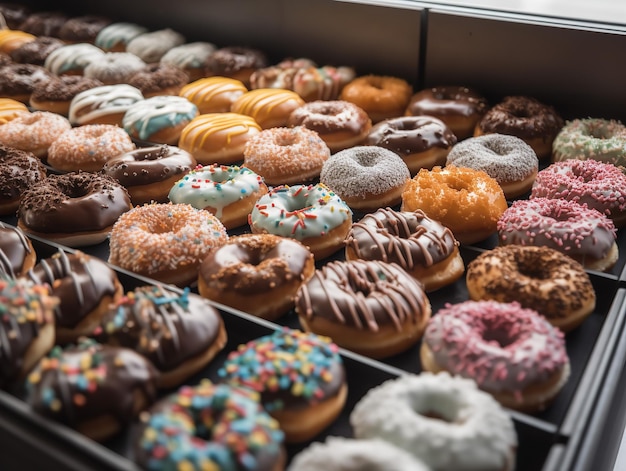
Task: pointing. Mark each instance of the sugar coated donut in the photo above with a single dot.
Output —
(597, 139)
(159, 79)
(539, 278)
(270, 107)
(235, 62)
(524, 368)
(312, 214)
(373, 308)
(190, 57)
(18, 81)
(35, 52)
(599, 185)
(115, 37)
(285, 156)
(103, 105)
(74, 209)
(467, 201)
(228, 192)
(508, 159)
(72, 58)
(213, 94)
(380, 96)
(17, 254)
(256, 273)
(151, 46)
(11, 109)
(366, 177)
(56, 94)
(401, 412)
(34, 132)
(19, 171)
(423, 247)
(180, 333)
(583, 233)
(421, 141)
(166, 242)
(114, 67)
(213, 426)
(299, 376)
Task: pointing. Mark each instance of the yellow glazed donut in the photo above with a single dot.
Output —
(270, 107)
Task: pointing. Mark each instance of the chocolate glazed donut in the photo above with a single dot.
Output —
(17, 255)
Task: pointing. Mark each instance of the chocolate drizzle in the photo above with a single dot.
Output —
(14, 248)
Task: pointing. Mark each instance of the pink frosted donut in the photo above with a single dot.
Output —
(599, 185)
(583, 233)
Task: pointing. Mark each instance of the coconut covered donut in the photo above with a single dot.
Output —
(597, 139)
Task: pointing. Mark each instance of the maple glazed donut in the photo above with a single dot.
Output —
(426, 249)
(165, 241)
(74, 209)
(583, 233)
(19, 171)
(312, 214)
(524, 369)
(370, 307)
(228, 192)
(17, 254)
(213, 94)
(597, 139)
(539, 278)
(270, 107)
(34, 132)
(256, 273)
(421, 141)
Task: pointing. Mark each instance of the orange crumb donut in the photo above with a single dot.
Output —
(165, 241)
(467, 201)
(284, 156)
(213, 94)
(218, 138)
(270, 107)
(34, 132)
(380, 96)
(10, 109)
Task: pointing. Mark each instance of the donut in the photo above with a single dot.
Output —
(213, 94)
(539, 278)
(115, 36)
(508, 159)
(218, 138)
(596, 139)
(467, 201)
(84, 286)
(366, 177)
(421, 141)
(228, 192)
(17, 254)
(583, 233)
(18, 81)
(210, 426)
(180, 333)
(11, 109)
(34, 132)
(5, 59)
(148, 173)
(151, 46)
(235, 62)
(13, 39)
(14, 14)
(458, 107)
(44, 23)
(26, 327)
(75, 209)
(256, 273)
(311, 214)
(534, 122)
(165, 241)
(72, 59)
(286, 155)
(511, 352)
(96, 389)
(599, 185)
(400, 411)
(114, 67)
(36, 51)
(159, 79)
(340, 124)
(19, 171)
(83, 29)
(190, 57)
(370, 307)
(88, 147)
(103, 105)
(299, 376)
(426, 249)
(56, 93)
(381, 96)
(159, 119)
(270, 107)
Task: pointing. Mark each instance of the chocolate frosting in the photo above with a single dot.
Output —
(35, 52)
(19, 170)
(44, 23)
(447, 101)
(156, 76)
(407, 135)
(325, 117)
(64, 88)
(16, 79)
(14, 248)
(83, 28)
(229, 60)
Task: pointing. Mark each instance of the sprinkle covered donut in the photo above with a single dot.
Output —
(19, 81)
(34, 132)
(597, 139)
(159, 79)
(19, 171)
(56, 94)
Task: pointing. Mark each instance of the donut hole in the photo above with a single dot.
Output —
(286, 140)
(76, 191)
(499, 336)
(599, 133)
(522, 113)
(458, 185)
(436, 406)
(532, 269)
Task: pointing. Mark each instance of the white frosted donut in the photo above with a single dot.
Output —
(72, 59)
(470, 431)
(99, 104)
(117, 35)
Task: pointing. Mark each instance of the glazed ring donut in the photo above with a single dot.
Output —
(270, 107)
(166, 242)
(11, 109)
(17, 254)
(366, 177)
(285, 156)
(312, 214)
(539, 278)
(19, 171)
(583, 233)
(401, 412)
(508, 159)
(370, 307)
(213, 94)
(426, 249)
(599, 185)
(34, 132)
(597, 139)
(381, 97)
(299, 376)
(421, 141)
(228, 192)
(242, 436)
(256, 273)
(73, 209)
(467, 201)
(524, 369)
